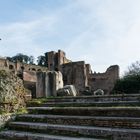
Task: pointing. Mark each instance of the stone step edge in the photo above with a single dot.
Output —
(41, 116)
(73, 127)
(94, 102)
(90, 111)
(97, 96)
(100, 121)
(89, 108)
(74, 99)
(38, 136)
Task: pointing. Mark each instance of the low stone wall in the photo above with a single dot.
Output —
(104, 81)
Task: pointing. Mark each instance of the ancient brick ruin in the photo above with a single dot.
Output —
(37, 78)
(100, 117)
(24, 71)
(80, 74)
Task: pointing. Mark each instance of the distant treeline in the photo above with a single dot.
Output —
(41, 60)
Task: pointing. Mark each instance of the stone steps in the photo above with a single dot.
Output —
(78, 104)
(81, 131)
(19, 135)
(88, 111)
(92, 99)
(116, 122)
(114, 117)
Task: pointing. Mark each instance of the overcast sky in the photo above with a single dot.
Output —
(101, 32)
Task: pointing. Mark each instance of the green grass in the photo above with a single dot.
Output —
(22, 111)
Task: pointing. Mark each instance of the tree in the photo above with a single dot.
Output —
(22, 58)
(31, 59)
(9, 58)
(133, 69)
(41, 60)
(130, 82)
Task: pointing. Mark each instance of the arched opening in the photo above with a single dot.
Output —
(11, 67)
(56, 69)
(39, 70)
(33, 69)
(22, 68)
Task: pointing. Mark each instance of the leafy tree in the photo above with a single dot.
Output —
(9, 58)
(31, 59)
(130, 82)
(41, 60)
(133, 69)
(22, 58)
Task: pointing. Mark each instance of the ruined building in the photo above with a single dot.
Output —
(80, 74)
(27, 72)
(42, 80)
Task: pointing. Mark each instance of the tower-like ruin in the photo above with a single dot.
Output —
(80, 74)
(77, 73)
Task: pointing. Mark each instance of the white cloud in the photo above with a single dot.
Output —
(22, 36)
(118, 41)
(101, 32)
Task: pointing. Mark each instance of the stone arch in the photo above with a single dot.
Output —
(22, 68)
(39, 70)
(11, 67)
(33, 69)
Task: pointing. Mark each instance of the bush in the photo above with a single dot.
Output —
(128, 84)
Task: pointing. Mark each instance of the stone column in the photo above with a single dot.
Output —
(48, 83)
(53, 82)
(40, 85)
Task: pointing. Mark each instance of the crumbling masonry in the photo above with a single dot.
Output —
(78, 74)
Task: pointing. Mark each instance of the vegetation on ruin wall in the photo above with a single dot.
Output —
(12, 93)
(23, 58)
(130, 82)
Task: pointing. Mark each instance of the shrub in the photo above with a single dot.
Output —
(128, 84)
(12, 92)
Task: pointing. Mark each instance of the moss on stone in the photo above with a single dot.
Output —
(12, 92)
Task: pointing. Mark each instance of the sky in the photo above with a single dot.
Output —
(100, 32)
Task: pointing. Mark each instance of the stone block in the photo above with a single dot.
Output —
(99, 92)
(68, 90)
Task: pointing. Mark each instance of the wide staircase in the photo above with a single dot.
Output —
(115, 117)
